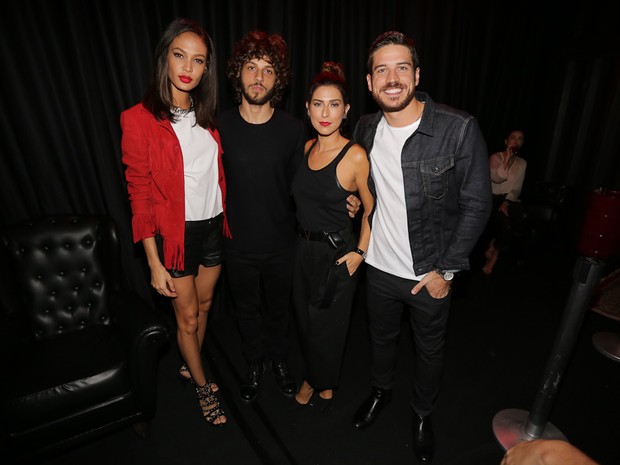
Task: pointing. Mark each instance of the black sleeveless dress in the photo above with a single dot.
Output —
(322, 291)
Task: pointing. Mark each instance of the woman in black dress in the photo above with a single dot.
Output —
(328, 251)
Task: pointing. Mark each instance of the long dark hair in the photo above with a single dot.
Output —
(258, 45)
(158, 96)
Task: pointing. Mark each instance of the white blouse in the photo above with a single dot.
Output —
(509, 182)
(203, 197)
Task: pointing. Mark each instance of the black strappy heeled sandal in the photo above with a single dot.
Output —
(210, 405)
(189, 379)
(183, 369)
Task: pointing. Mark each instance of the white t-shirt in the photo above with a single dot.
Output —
(389, 249)
(203, 197)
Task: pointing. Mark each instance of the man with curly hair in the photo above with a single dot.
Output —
(262, 146)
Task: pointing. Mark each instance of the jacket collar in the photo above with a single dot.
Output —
(428, 115)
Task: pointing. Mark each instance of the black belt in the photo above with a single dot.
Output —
(320, 236)
(335, 239)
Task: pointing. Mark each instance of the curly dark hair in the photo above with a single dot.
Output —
(259, 44)
(392, 38)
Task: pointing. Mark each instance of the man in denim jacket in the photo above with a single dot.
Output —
(430, 177)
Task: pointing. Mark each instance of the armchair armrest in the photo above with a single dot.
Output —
(144, 333)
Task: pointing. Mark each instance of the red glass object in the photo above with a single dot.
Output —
(600, 233)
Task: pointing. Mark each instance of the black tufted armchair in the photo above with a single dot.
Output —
(79, 351)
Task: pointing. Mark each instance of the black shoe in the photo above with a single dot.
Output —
(423, 438)
(249, 390)
(368, 411)
(285, 380)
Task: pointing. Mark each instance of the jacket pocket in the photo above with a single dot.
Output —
(435, 176)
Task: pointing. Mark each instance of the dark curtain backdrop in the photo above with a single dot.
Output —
(69, 67)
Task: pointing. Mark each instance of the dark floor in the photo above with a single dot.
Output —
(501, 336)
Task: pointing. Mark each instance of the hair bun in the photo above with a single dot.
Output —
(333, 68)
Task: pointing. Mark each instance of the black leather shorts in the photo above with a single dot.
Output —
(204, 245)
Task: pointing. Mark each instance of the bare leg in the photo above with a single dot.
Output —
(186, 309)
(490, 249)
(205, 283)
(492, 254)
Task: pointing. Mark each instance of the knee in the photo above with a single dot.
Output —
(384, 339)
(188, 325)
(204, 306)
(432, 355)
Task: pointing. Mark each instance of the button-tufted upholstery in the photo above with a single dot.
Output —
(79, 351)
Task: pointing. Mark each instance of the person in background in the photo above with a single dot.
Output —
(430, 176)
(507, 175)
(545, 452)
(177, 190)
(263, 146)
(328, 252)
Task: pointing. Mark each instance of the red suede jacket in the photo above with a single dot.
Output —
(154, 173)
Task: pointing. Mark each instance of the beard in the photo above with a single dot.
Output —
(393, 106)
(259, 100)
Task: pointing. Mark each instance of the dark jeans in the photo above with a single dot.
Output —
(387, 297)
(260, 286)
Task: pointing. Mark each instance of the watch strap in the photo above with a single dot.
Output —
(446, 275)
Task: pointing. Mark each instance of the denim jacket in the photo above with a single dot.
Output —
(447, 184)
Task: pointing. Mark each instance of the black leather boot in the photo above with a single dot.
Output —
(283, 377)
(253, 378)
(423, 438)
(370, 408)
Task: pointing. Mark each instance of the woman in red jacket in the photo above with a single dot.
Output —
(177, 190)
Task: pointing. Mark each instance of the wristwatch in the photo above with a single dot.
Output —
(362, 253)
(446, 275)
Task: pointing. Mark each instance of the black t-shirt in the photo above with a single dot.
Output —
(259, 163)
